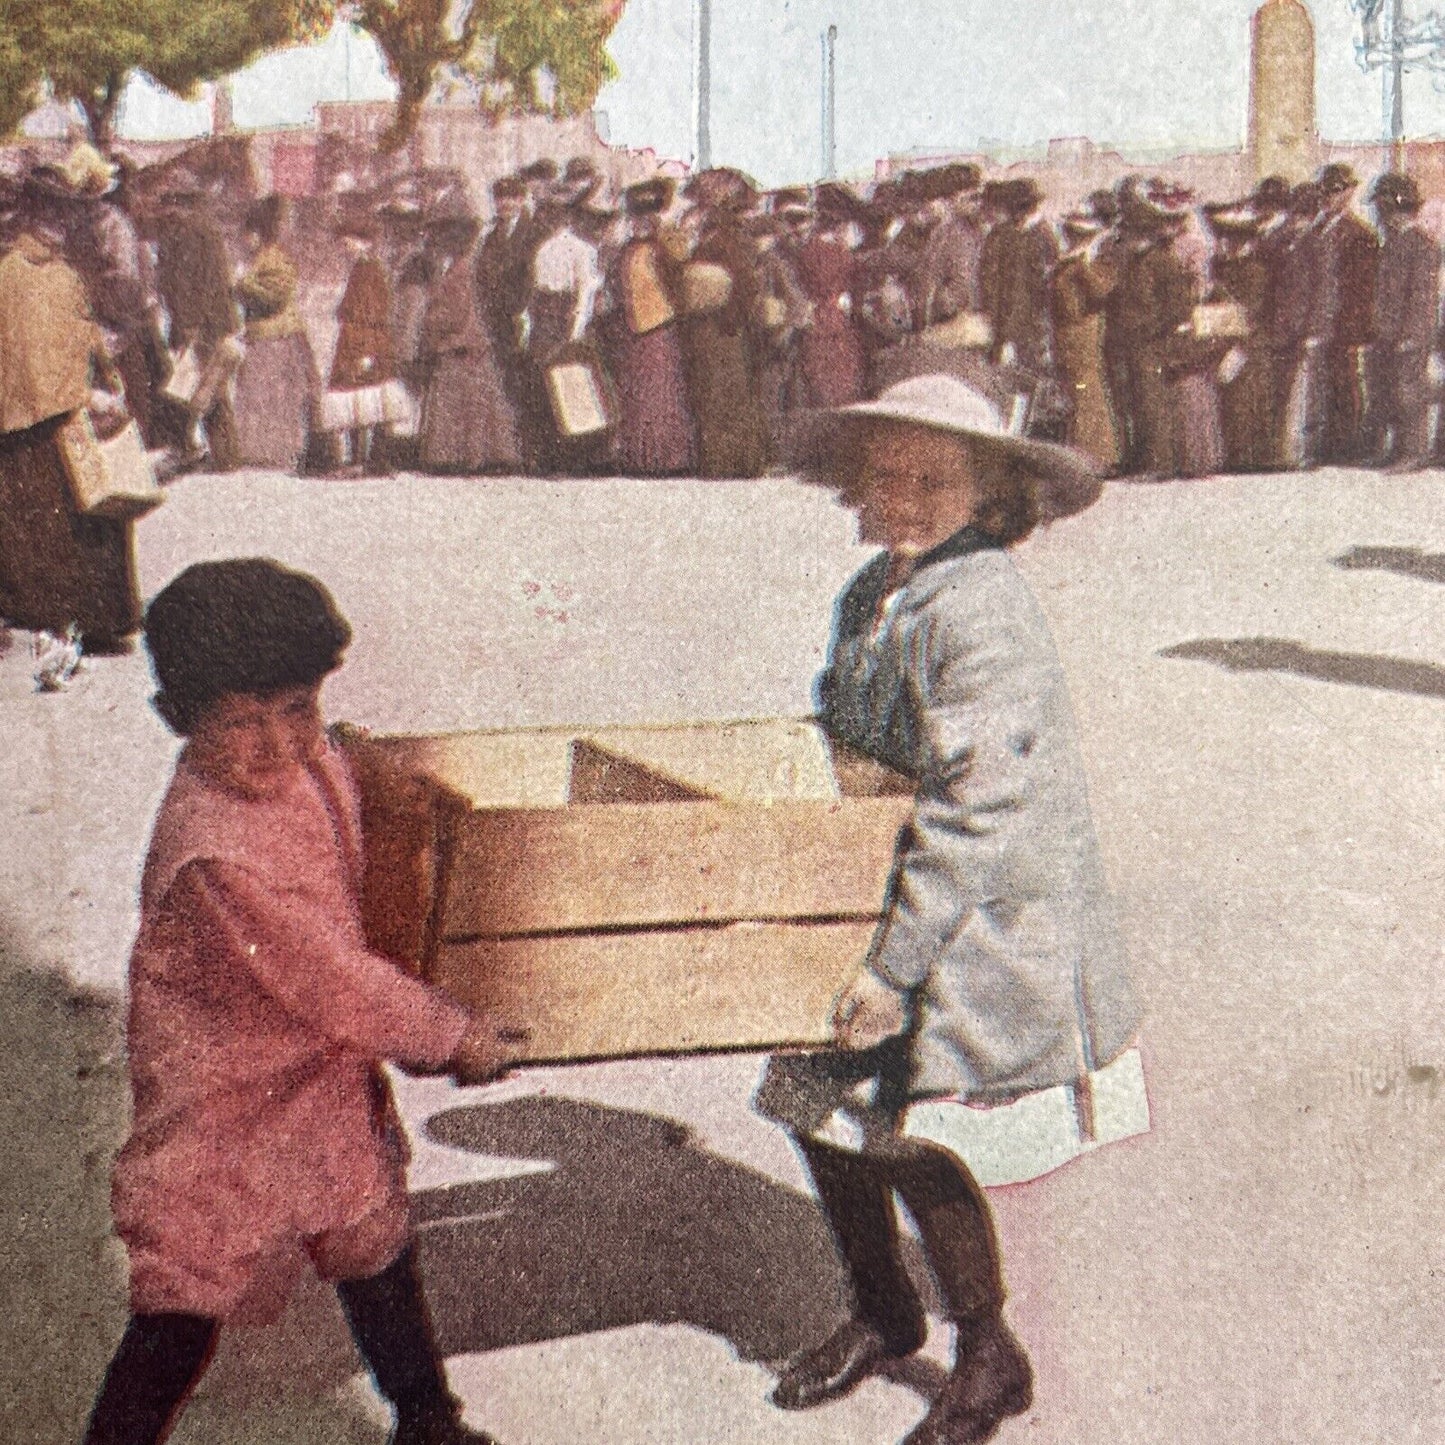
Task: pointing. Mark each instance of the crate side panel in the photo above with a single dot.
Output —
(591, 996)
(625, 865)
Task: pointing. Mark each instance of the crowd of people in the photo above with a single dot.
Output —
(686, 328)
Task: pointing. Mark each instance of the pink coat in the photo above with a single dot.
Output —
(264, 1130)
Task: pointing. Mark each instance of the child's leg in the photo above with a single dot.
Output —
(156, 1365)
(392, 1327)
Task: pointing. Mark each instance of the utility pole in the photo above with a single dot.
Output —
(702, 84)
(1406, 43)
(1397, 83)
(829, 41)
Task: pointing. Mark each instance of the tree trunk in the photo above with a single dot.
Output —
(100, 108)
(409, 102)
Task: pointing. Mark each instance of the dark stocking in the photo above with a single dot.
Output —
(392, 1328)
(858, 1204)
(156, 1365)
(956, 1227)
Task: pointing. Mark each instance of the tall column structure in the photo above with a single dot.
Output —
(1282, 138)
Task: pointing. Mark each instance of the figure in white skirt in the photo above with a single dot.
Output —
(994, 999)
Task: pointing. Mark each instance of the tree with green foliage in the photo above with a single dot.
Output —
(20, 78)
(504, 45)
(87, 50)
(564, 39)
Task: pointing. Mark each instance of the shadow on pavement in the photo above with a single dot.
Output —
(64, 1105)
(1278, 654)
(1407, 561)
(635, 1223)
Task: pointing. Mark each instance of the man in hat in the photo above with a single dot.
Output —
(1137, 327)
(193, 277)
(1079, 287)
(502, 273)
(949, 276)
(1406, 308)
(1296, 324)
(1016, 259)
(1351, 253)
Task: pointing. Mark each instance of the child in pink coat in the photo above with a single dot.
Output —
(265, 1139)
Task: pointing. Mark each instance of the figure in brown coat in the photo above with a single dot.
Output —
(193, 277)
(1352, 258)
(1017, 257)
(364, 398)
(1080, 285)
(1407, 305)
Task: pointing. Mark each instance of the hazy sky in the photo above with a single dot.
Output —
(912, 74)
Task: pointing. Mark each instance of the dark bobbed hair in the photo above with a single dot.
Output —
(1008, 509)
(246, 625)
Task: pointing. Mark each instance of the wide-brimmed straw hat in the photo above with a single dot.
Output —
(1067, 481)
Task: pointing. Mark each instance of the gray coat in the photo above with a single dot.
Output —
(997, 922)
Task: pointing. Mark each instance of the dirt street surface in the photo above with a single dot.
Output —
(621, 1253)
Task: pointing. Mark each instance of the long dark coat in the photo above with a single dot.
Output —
(467, 421)
(721, 351)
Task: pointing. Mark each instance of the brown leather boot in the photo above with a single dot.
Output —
(991, 1381)
(991, 1377)
(888, 1322)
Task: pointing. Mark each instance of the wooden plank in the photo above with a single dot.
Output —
(763, 761)
(405, 820)
(517, 871)
(517, 769)
(745, 762)
(595, 996)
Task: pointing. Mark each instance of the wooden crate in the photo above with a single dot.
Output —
(632, 891)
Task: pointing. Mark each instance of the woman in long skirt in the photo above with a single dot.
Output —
(467, 422)
(277, 384)
(995, 982)
(58, 567)
(654, 435)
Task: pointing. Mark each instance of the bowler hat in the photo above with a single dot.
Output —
(648, 198)
(1066, 480)
(1397, 192)
(1336, 178)
(1271, 194)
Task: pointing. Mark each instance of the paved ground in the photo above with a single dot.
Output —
(619, 1252)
